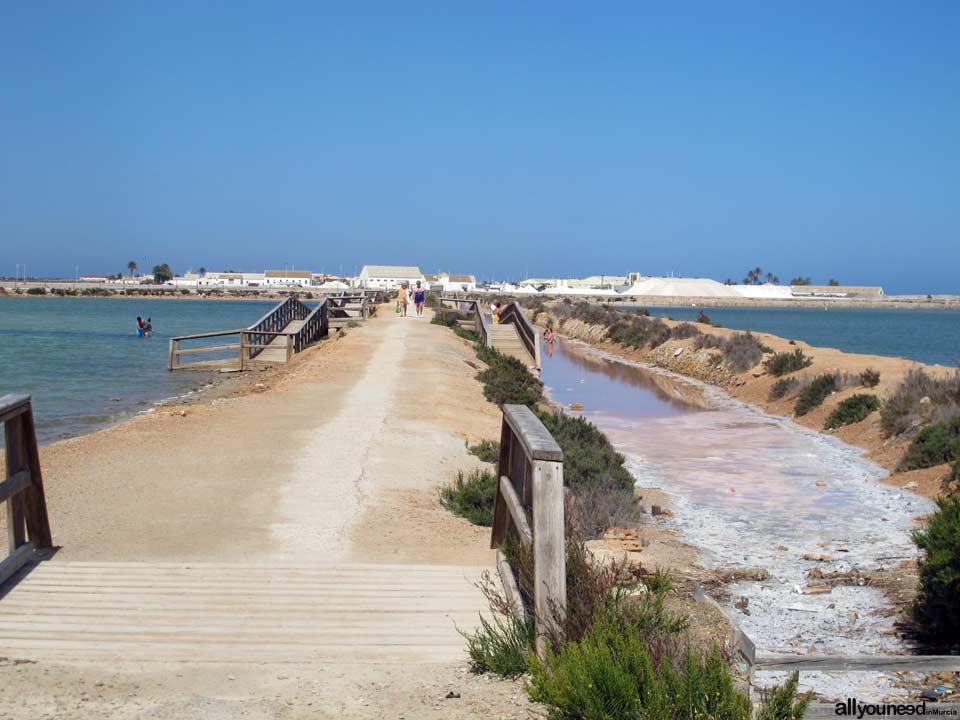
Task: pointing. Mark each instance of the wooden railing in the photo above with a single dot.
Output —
(470, 313)
(529, 503)
(28, 527)
(512, 314)
(253, 340)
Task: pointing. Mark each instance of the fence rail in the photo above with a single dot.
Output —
(529, 503)
(512, 314)
(28, 525)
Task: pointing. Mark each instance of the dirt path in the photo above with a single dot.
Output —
(336, 459)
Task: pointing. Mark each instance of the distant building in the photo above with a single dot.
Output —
(456, 283)
(288, 278)
(96, 278)
(844, 291)
(388, 277)
(596, 282)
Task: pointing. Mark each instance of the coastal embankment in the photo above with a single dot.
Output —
(336, 458)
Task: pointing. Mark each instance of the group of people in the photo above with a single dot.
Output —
(418, 294)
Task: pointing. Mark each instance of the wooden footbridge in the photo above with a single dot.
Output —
(284, 331)
(277, 612)
(512, 335)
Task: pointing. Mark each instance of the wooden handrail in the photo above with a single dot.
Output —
(28, 525)
(529, 502)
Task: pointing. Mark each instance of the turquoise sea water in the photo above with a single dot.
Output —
(76, 355)
(928, 336)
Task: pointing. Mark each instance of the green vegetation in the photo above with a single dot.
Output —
(854, 409)
(783, 363)
(353, 324)
(937, 443)
(741, 351)
(870, 378)
(936, 610)
(906, 407)
(36, 291)
(500, 646)
(471, 497)
(486, 450)
(756, 277)
(703, 318)
(507, 381)
(449, 318)
(782, 703)
(813, 395)
(782, 387)
(801, 281)
(162, 273)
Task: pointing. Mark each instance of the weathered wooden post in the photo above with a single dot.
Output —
(530, 483)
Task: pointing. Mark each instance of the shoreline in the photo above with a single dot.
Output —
(753, 386)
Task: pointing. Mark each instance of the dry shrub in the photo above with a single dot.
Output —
(903, 409)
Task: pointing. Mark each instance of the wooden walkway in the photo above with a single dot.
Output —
(218, 612)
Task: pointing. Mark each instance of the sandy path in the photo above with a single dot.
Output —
(336, 458)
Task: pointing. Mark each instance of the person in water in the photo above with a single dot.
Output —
(549, 339)
(419, 298)
(141, 327)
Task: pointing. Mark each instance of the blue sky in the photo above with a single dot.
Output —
(814, 139)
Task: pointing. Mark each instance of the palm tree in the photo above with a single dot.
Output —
(203, 271)
(132, 267)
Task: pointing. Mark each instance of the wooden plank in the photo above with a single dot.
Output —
(170, 355)
(516, 511)
(14, 484)
(16, 560)
(207, 335)
(511, 590)
(16, 460)
(12, 405)
(856, 663)
(549, 559)
(535, 438)
(498, 533)
(210, 348)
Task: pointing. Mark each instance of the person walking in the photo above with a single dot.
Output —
(402, 299)
(419, 298)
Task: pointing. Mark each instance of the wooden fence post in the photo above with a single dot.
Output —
(549, 560)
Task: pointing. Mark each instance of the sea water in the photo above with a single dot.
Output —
(927, 336)
(85, 367)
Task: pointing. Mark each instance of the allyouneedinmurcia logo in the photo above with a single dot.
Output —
(856, 709)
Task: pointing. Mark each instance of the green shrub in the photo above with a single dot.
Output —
(443, 316)
(588, 456)
(610, 674)
(937, 443)
(936, 610)
(741, 351)
(902, 410)
(501, 646)
(36, 291)
(684, 331)
(813, 395)
(486, 450)
(353, 324)
(781, 387)
(471, 497)
(854, 409)
(870, 378)
(782, 703)
(783, 363)
(507, 380)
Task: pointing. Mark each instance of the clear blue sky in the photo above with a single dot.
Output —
(818, 138)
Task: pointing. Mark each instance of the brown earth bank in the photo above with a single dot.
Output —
(753, 387)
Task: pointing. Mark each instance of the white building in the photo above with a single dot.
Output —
(388, 277)
(288, 278)
(457, 283)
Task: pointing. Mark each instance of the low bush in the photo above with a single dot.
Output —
(870, 378)
(742, 351)
(36, 291)
(937, 443)
(936, 610)
(507, 380)
(615, 673)
(486, 450)
(782, 702)
(703, 318)
(783, 363)
(471, 497)
(903, 409)
(588, 456)
(782, 387)
(684, 331)
(603, 504)
(500, 646)
(818, 390)
(444, 317)
(854, 409)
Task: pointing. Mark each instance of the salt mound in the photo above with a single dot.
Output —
(682, 287)
(765, 292)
